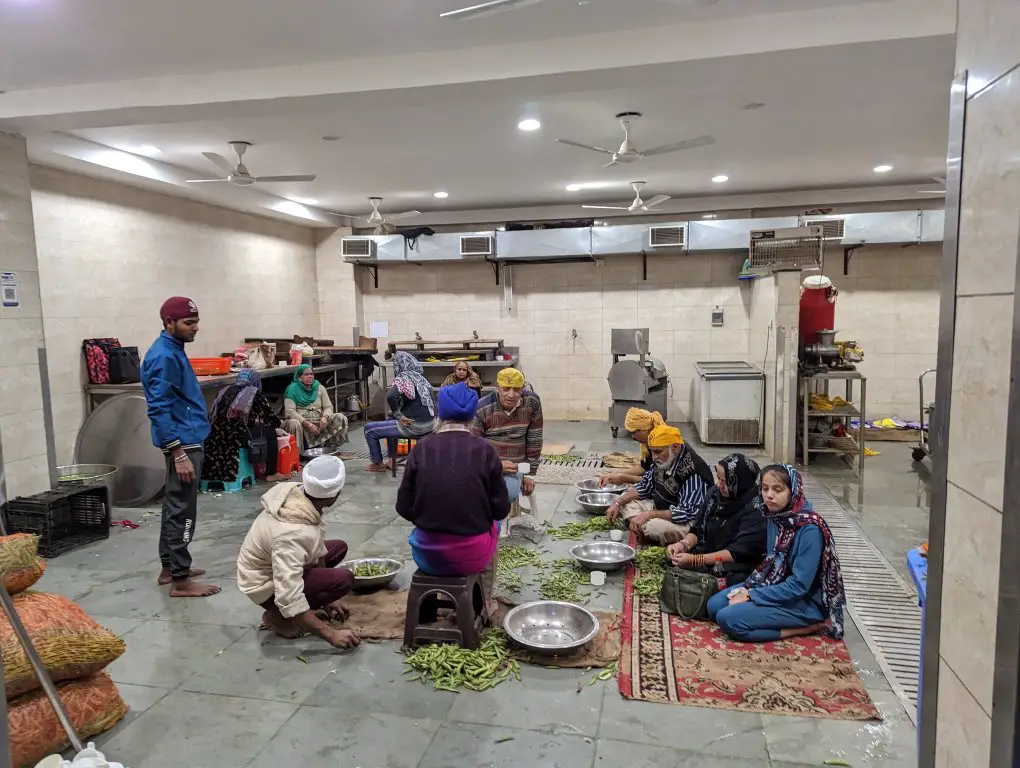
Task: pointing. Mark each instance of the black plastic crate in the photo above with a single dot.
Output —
(64, 519)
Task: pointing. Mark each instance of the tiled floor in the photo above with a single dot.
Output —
(207, 691)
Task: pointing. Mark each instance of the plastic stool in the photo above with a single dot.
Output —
(425, 597)
(288, 460)
(245, 478)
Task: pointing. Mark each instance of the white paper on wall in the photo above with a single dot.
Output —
(379, 329)
(9, 287)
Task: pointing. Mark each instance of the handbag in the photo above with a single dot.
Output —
(258, 448)
(686, 593)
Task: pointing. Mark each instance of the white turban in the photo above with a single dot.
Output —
(323, 477)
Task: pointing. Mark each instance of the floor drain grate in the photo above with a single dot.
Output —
(882, 606)
(589, 462)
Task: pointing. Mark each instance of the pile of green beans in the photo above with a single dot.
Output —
(451, 668)
(511, 558)
(562, 584)
(598, 524)
(365, 570)
(651, 565)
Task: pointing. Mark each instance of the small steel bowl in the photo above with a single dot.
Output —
(603, 555)
(592, 486)
(596, 503)
(365, 582)
(550, 627)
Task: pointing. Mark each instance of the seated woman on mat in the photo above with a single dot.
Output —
(453, 492)
(798, 589)
(730, 528)
(308, 413)
(414, 410)
(239, 413)
(639, 423)
(462, 372)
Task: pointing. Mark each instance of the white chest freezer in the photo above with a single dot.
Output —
(728, 397)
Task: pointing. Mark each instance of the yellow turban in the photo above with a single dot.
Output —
(638, 418)
(510, 377)
(664, 436)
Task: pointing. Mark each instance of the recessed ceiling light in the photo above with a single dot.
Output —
(148, 149)
(578, 186)
(441, 195)
(882, 168)
(305, 200)
(720, 179)
(529, 125)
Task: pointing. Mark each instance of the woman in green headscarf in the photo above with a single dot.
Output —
(308, 413)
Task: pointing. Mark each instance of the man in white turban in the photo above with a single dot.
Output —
(287, 567)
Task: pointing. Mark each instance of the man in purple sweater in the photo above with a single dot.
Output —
(453, 492)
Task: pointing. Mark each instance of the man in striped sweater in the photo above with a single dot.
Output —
(511, 420)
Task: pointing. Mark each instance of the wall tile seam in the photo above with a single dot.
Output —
(964, 491)
(964, 686)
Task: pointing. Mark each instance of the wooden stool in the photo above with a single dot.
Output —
(428, 594)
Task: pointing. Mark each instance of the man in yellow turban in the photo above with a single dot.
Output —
(638, 422)
(667, 499)
(511, 419)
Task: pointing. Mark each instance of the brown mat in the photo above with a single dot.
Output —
(621, 460)
(551, 474)
(556, 449)
(380, 616)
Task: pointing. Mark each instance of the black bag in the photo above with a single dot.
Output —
(125, 366)
(258, 448)
(686, 593)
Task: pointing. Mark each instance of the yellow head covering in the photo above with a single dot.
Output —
(638, 418)
(510, 377)
(664, 436)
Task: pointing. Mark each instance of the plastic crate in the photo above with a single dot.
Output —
(64, 519)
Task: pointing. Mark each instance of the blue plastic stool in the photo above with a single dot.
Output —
(245, 478)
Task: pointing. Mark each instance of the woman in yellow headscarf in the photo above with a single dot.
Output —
(639, 423)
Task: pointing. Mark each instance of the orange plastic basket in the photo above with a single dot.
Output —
(210, 366)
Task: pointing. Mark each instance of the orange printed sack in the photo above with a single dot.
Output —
(20, 562)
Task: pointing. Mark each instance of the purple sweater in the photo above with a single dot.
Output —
(453, 483)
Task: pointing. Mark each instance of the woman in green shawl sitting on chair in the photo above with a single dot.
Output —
(308, 413)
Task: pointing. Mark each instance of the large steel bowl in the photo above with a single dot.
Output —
(596, 503)
(393, 567)
(603, 555)
(592, 486)
(550, 627)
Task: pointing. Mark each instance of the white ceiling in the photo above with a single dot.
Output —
(813, 131)
(47, 43)
(846, 86)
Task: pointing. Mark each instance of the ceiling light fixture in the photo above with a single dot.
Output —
(720, 179)
(148, 149)
(882, 168)
(529, 125)
(441, 195)
(709, 216)
(578, 186)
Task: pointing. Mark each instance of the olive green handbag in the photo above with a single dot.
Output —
(685, 593)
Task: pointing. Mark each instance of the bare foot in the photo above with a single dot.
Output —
(165, 578)
(801, 631)
(275, 478)
(191, 588)
(285, 628)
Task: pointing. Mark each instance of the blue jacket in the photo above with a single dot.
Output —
(177, 408)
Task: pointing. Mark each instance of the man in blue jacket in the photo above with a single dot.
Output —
(180, 426)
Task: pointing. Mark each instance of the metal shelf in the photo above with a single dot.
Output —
(849, 411)
(841, 446)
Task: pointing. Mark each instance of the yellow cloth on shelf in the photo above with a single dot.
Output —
(663, 436)
(510, 377)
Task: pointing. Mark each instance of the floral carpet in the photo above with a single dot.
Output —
(692, 663)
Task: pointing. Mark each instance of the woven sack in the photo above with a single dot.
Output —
(19, 561)
(70, 644)
(93, 704)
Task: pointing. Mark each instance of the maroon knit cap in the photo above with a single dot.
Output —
(178, 308)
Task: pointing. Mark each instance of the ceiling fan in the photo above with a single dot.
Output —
(638, 206)
(239, 175)
(377, 216)
(941, 180)
(628, 153)
(499, 6)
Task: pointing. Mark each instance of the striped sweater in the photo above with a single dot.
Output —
(516, 436)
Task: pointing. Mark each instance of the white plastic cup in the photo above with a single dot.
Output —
(524, 468)
(598, 578)
(616, 534)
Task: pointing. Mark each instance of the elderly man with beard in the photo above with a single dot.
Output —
(666, 501)
(511, 420)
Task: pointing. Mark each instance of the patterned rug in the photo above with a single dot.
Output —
(553, 474)
(692, 663)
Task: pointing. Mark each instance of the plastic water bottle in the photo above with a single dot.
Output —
(720, 575)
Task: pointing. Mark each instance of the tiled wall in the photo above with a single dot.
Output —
(110, 254)
(675, 302)
(21, 331)
(986, 273)
(338, 294)
(889, 303)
